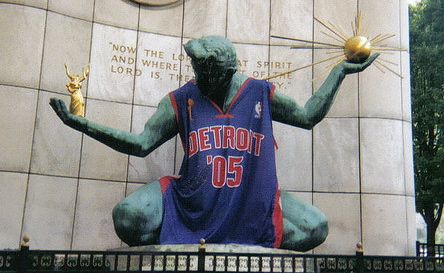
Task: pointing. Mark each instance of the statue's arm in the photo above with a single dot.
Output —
(286, 110)
(158, 129)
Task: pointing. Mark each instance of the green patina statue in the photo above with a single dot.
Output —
(138, 219)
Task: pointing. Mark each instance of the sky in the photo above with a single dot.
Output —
(413, 1)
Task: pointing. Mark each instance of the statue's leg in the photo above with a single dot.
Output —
(305, 226)
(138, 218)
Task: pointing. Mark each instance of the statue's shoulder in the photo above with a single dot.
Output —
(257, 83)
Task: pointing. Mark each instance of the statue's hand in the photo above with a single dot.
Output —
(350, 68)
(69, 119)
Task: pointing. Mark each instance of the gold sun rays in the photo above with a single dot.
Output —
(354, 48)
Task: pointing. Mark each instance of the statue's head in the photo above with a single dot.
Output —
(214, 62)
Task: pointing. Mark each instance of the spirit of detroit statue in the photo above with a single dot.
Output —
(227, 191)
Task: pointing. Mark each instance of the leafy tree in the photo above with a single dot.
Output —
(427, 75)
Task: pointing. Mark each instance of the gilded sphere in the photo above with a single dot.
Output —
(357, 49)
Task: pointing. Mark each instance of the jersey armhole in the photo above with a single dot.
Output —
(176, 113)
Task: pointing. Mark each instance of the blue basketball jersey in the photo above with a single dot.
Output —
(227, 191)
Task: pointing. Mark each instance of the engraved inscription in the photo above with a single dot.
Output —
(129, 60)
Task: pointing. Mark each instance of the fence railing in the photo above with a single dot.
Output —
(39, 261)
(426, 250)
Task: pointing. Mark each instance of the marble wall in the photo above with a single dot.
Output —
(60, 186)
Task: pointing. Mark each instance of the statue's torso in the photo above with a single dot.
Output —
(227, 192)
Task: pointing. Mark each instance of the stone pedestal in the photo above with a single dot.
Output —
(209, 248)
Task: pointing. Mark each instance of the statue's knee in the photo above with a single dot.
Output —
(121, 219)
(320, 230)
(307, 233)
(315, 234)
(136, 224)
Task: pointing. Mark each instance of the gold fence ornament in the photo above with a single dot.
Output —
(77, 105)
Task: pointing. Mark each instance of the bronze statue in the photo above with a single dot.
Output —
(138, 219)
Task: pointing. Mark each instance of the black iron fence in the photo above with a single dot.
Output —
(426, 250)
(39, 261)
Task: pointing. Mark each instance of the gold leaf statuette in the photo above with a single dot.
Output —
(77, 105)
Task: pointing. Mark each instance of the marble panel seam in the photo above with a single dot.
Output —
(384, 118)
(403, 147)
(115, 24)
(269, 40)
(37, 173)
(82, 135)
(47, 9)
(137, 183)
(132, 102)
(23, 5)
(361, 213)
(301, 191)
(22, 226)
(70, 16)
(407, 219)
(9, 171)
(35, 120)
(77, 188)
(402, 105)
(102, 179)
(357, 192)
(18, 86)
(160, 34)
(312, 92)
(75, 206)
(226, 18)
(400, 25)
(386, 194)
(120, 102)
(182, 61)
(363, 118)
(110, 25)
(335, 192)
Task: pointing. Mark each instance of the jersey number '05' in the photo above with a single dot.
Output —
(221, 168)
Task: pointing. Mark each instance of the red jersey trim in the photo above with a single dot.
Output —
(174, 104)
(165, 182)
(225, 116)
(236, 97)
(272, 91)
(217, 107)
(276, 147)
(176, 113)
(239, 92)
(278, 221)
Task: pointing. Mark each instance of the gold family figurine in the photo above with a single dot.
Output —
(77, 105)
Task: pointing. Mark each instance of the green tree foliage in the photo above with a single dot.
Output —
(427, 74)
